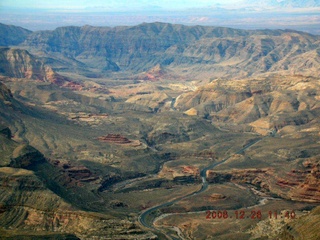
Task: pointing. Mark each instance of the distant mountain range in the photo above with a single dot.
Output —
(302, 15)
(188, 50)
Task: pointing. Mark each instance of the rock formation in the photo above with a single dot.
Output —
(18, 63)
(5, 93)
(192, 50)
(27, 207)
(24, 156)
(298, 185)
(263, 104)
(114, 138)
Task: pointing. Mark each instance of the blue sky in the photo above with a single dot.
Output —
(111, 4)
(247, 14)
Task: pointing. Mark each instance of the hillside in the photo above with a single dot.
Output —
(32, 201)
(12, 35)
(262, 104)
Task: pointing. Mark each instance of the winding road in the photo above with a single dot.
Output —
(203, 173)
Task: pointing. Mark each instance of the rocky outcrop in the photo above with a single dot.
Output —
(181, 174)
(296, 184)
(114, 138)
(24, 156)
(191, 170)
(5, 131)
(18, 63)
(108, 181)
(119, 139)
(13, 154)
(76, 174)
(256, 177)
(156, 73)
(216, 177)
(5, 93)
(304, 185)
(187, 179)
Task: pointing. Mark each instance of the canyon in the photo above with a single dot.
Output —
(101, 127)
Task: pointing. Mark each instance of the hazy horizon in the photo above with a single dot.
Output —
(112, 5)
(244, 14)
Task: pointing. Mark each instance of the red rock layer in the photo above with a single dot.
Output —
(114, 138)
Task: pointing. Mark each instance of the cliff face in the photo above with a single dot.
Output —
(19, 63)
(192, 48)
(304, 185)
(189, 50)
(296, 184)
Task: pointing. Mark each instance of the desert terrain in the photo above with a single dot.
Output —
(159, 131)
